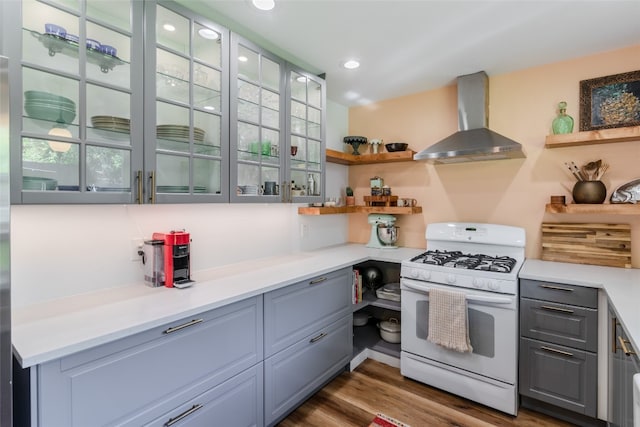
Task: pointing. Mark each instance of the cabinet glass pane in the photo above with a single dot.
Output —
(210, 126)
(172, 30)
(270, 74)
(313, 125)
(248, 101)
(271, 138)
(248, 142)
(172, 174)
(313, 149)
(270, 109)
(49, 165)
(71, 4)
(54, 48)
(50, 101)
(108, 169)
(109, 61)
(249, 175)
(108, 115)
(298, 151)
(173, 132)
(172, 78)
(206, 89)
(298, 118)
(206, 177)
(314, 94)
(248, 64)
(207, 45)
(298, 87)
(116, 12)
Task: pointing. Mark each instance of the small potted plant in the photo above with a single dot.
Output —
(350, 199)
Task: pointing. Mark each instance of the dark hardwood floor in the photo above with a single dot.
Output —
(354, 398)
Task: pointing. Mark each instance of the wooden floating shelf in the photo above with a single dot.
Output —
(330, 210)
(603, 136)
(606, 208)
(341, 158)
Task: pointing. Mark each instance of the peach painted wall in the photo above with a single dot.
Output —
(512, 192)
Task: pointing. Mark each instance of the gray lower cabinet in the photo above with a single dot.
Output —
(623, 364)
(558, 345)
(308, 339)
(160, 374)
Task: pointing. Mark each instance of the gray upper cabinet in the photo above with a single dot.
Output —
(186, 125)
(148, 102)
(76, 98)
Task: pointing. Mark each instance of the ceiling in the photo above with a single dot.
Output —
(409, 46)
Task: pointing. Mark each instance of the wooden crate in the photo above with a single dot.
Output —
(381, 200)
(596, 244)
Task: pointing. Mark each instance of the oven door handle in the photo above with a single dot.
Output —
(470, 298)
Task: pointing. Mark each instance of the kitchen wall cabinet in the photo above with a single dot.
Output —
(308, 339)
(76, 97)
(147, 119)
(158, 374)
(558, 347)
(623, 364)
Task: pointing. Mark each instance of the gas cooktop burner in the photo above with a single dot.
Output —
(457, 259)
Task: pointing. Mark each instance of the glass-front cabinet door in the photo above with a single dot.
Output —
(186, 126)
(257, 126)
(306, 97)
(76, 99)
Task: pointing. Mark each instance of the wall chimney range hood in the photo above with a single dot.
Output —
(474, 141)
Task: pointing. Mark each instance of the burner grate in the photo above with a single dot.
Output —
(457, 259)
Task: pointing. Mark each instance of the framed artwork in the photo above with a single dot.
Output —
(610, 101)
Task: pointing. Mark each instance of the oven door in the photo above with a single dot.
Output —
(493, 326)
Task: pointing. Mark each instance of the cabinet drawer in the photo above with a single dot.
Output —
(293, 374)
(293, 312)
(151, 370)
(560, 293)
(236, 402)
(559, 375)
(562, 324)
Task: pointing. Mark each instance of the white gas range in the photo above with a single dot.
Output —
(481, 261)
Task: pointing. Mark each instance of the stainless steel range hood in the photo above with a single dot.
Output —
(474, 141)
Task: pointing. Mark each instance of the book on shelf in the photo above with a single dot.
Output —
(356, 289)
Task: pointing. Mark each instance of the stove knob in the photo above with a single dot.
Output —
(426, 275)
(476, 283)
(493, 286)
(451, 279)
(414, 273)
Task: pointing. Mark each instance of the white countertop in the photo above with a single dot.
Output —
(622, 286)
(47, 331)
(57, 328)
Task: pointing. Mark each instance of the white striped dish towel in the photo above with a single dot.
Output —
(448, 320)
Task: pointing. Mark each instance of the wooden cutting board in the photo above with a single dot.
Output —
(596, 244)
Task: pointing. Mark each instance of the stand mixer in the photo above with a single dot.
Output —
(384, 234)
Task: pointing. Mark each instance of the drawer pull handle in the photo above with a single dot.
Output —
(185, 325)
(556, 288)
(183, 415)
(623, 346)
(318, 338)
(319, 280)
(553, 350)
(562, 310)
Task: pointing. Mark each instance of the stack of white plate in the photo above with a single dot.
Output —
(247, 190)
(390, 291)
(111, 123)
(179, 132)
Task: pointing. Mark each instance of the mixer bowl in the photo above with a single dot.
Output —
(388, 234)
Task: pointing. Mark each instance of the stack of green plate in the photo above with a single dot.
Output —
(48, 106)
(38, 183)
(111, 123)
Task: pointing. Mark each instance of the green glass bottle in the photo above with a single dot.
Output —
(563, 123)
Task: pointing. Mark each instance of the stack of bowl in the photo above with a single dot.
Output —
(48, 106)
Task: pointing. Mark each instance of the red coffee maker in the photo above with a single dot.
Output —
(177, 269)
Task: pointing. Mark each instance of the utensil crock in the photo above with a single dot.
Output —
(591, 192)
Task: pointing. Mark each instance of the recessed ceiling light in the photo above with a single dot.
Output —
(264, 4)
(301, 79)
(351, 64)
(207, 33)
(169, 27)
(209, 107)
(243, 58)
